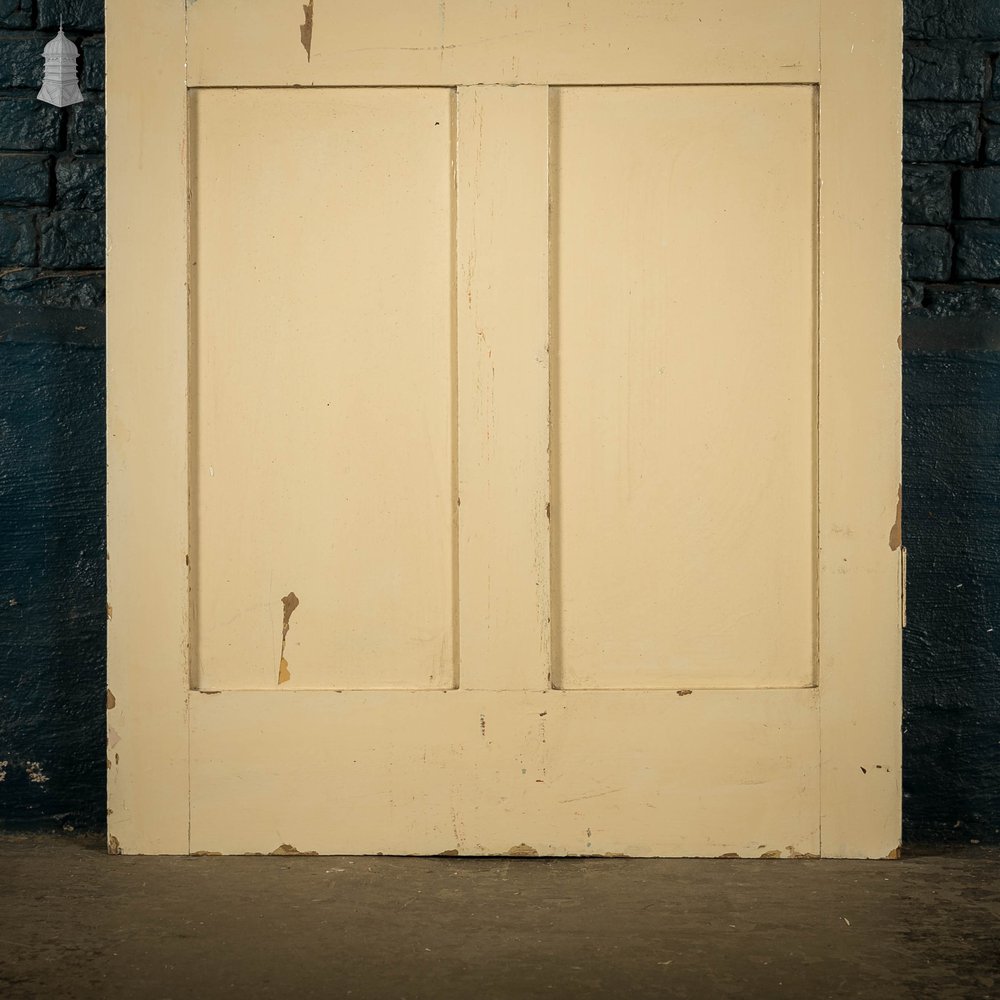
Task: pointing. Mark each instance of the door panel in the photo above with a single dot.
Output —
(684, 399)
(323, 395)
(508, 773)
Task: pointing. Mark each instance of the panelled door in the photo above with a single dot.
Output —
(504, 427)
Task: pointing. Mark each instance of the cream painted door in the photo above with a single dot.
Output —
(503, 427)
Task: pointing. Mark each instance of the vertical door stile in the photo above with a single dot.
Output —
(503, 386)
(148, 681)
(860, 675)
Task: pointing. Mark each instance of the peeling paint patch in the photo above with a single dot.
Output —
(731, 854)
(113, 738)
(33, 768)
(792, 853)
(110, 611)
(771, 854)
(206, 854)
(684, 691)
(896, 531)
(289, 602)
(522, 851)
(453, 853)
(110, 700)
(286, 851)
(306, 29)
(895, 854)
(113, 846)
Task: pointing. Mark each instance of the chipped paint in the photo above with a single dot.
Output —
(113, 738)
(805, 855)
(289, 602)
(287, 851)
(896, 531)
(453, 853)
(306, 29)
(771, 854)
(684, 692)
(110, 700)
(731, 854)
(33, 769)
(206, 854)
(895, 854)
(110, 611)
(113, 846)
(522, 851)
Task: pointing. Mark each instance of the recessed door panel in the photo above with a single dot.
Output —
(323, 408)
(684, 404)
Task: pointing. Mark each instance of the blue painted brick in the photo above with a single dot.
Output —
(977, 253)
(951, 19)
(954, 72)
(92, 71)
(18, 239)
(21, 62)
(16, 13)
(80, 15)
(87, 129)
(926, 253)
(80, 182)
(991, 141)
(25, 179)
(27, 123)
(946, 301)
(73, 240)
(979, 193)
(940, 132)
(30, 287)
(927, 195)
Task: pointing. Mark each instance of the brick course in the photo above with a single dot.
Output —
(951, 153)
(51, 161)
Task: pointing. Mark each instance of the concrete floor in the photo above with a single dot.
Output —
(77, 923)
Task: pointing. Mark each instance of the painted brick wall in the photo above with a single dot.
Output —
(52, 560)
(52, 549)
(951, 416)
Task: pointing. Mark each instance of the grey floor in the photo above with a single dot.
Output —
(77, 923)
